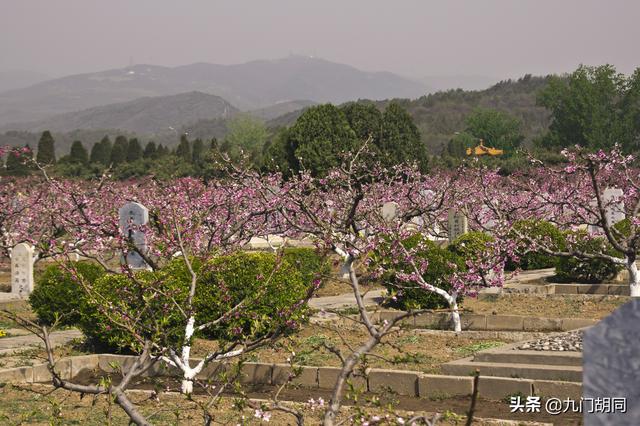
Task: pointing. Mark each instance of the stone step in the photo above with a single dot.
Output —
(466, 366)
(517, 356)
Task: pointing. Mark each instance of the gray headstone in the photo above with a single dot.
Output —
(611, 367)
(613, 207)
(132, 215)
(458, 224)
(22, 269)
(389, 211)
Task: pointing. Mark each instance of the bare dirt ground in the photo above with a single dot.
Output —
(403, 350)
(541, 305)
(36, 405)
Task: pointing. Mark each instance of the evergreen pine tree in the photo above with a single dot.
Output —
(119, 151)
(197, 152)
(150, 150)
(184, 148)
(78, 153)
(134, 150)
(17, 161)
(101, 152)
(46, 149)
(161, 151)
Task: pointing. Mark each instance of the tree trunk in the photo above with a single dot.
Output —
(634, 278)
(455, 315)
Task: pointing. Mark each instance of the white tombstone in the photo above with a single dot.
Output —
(458, 224)
(133, 215)
(613, 207)
(22, 269)
(389, 211)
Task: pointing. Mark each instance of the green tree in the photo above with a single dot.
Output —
(162, 151)
(119, 150)
(496, 128)
(365, 120)
(246, 136)
(78, 153)
(46, 149)
(101, 152)
(134, 150)
(17, 163)
(457, 145)
(400, 141)
(318, 140)
(150, 150)
(184, 148)
(595, 107)
(197, 152)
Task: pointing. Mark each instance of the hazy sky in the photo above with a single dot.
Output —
(496, 38)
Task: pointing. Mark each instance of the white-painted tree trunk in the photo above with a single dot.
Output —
(455, 315)
(634, 278)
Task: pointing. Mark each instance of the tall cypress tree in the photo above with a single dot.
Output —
(46, 149)
(184, 148)
(101, 152)
(150, 150)
(119, 150)
(197, 151)
(78, 153)
(134, 150)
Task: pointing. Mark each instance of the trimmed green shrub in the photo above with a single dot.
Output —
(311, 264)
(471, 245)
(270, 288)
(58, 294)
(571, 269)
(537, 230)
(442, 263)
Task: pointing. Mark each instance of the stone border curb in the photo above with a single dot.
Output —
(400, 382)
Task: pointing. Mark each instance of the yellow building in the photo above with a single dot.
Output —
(484, 150)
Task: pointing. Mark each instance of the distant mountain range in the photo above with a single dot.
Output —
(147, 115)
(249, 86)
(17, 79)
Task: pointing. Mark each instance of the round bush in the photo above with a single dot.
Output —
(471, 246)
(571, 269)
(540, 231)
(442, 263)
(269, 288)
(58, 294)
(311, 264)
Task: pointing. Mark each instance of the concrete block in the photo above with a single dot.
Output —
(214, 371)
(392, 315)
(307, 376)
(473, 322)
(84, 362)
(328, 376)
(255, 373)
(542, 324)
(431, 385)
(505, 322)
(566, 288)
(399, 382)
(17, 375)
(574, 323)
(427, 320)
(41, 372)
(562, 390)
(619, 290)
(593, 289)
(498, 388)
(107, 362)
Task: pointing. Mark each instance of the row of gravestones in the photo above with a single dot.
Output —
(132, 216)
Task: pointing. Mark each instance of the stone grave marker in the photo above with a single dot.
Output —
(22, 269)
(458, 224)
(132, 215)
(611, 368)
(389, 211)
(613, 210)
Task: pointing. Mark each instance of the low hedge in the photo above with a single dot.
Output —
(536, 230)
(592, 271)
(270, 289)
(59, 295)
(309, 262)
(442, 263)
